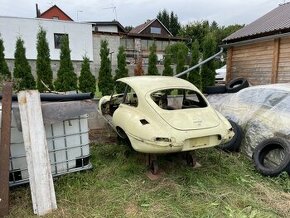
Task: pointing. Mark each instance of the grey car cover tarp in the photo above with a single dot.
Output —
(262, 112)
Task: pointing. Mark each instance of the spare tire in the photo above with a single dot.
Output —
(215, 89)
(236, 85)
(235, 143)
(264, 148)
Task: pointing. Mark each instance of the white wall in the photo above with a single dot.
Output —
(109, 29)
(80, 36)
(113, 45)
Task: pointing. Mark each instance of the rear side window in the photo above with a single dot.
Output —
(130, 97)
(177, 99)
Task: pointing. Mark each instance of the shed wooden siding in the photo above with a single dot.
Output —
(261, 62)
(253, 62)
(284, 61)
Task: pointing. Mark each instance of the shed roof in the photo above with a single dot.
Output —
(274, 22)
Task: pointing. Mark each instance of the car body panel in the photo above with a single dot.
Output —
(152, 129)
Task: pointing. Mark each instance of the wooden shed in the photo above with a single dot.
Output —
(260, 51)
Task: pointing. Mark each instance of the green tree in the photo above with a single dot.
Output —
(105, 84)
(209, 46)
(121, 70)
(196, 30)
(170, 21)
(66, 77)
(152, 68)
(194, 76)
(168, 71)
(174, 26)
(164, 17)
(43, 68)
(22, 69)
(4, 70)
(87, 82)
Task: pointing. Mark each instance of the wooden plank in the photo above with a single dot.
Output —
(40, 178)
(275, 62)
(265, 45)
(5, 148)
(229, 64)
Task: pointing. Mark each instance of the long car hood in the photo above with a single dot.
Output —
(191, 119)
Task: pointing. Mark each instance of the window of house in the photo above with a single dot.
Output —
(165, 44)
(57, 39)
(55, 18)
(123, 42)
(155, 30)
(158, 45)
(130, 43)
(144, 44)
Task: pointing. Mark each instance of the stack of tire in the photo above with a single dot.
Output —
(233, 86)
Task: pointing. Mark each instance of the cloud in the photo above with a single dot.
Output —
(135, 12)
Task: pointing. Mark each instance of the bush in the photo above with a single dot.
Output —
(208, 69)
(4, 70)
(43, 68)
(194, 75)
(106, 85)
(121, 70)
(66, 77)
(138, 70)
(87, 82)
(22, 69)
(152, 69)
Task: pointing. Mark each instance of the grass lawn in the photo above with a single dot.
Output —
(225, 186)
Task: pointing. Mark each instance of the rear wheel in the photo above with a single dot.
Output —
(235, 143)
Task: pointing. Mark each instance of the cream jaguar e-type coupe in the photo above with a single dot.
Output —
(161, 114)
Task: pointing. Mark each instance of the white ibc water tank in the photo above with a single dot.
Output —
(68, 146)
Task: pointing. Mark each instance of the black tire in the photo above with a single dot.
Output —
(264, 148)
(235, 143)
(215, 89)
(236, 85)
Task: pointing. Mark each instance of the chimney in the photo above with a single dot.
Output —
(37, 11)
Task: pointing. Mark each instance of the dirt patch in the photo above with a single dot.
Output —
(279, 201)
(131, 210)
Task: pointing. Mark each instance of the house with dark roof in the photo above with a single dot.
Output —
(112, 32)
(53, 12)
(260, 51)
(138, 41)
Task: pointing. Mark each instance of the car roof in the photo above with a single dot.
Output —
(146, 84)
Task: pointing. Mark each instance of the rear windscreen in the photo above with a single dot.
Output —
(176, 99)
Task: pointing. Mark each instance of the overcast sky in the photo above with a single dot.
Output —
(135, 12)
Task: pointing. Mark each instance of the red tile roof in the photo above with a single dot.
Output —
(275, 21)
(55, 11)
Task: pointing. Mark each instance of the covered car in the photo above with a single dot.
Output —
(161, 114)
(262, 112)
